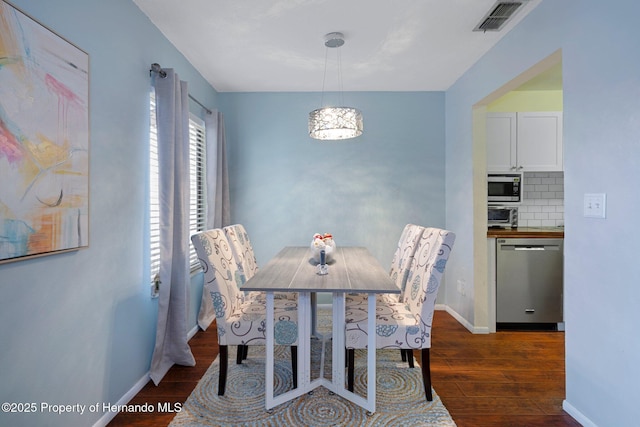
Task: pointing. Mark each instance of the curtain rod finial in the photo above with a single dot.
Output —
(156, 68)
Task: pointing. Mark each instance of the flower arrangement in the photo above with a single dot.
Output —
(323, 242)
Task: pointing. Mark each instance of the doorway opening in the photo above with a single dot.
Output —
(545, 75)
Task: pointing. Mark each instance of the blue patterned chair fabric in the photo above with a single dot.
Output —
(241, 246)
(406, 325)
(240, 319)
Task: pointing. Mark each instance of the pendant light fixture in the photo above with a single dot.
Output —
(334, 123)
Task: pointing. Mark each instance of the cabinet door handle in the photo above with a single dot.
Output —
(530, 310)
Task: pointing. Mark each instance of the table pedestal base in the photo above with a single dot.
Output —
(337, 382)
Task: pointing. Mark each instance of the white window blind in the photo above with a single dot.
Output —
(197, 193)
(197, 182)
(154, 198)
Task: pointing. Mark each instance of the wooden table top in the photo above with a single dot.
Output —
(352, 269)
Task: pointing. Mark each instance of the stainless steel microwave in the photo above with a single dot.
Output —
(504, 188)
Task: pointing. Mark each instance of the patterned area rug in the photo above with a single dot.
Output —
(400, 399)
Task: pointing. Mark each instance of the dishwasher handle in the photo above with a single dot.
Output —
(529, 247)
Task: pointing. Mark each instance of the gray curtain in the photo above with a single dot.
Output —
(218, 209)
(172, 114)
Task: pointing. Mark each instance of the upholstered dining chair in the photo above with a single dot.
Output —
(246, 259)
(399, 272)
(406, 324)
(240, 319)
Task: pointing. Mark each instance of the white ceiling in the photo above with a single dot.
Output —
(278, 45)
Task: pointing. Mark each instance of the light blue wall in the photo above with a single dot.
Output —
(286, 186)
(602, 154)
(80, 327)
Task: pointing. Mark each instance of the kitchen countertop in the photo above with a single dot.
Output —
(526, 232)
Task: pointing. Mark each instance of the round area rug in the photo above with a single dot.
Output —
(400, 399)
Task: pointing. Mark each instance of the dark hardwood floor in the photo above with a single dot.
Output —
(502, 379)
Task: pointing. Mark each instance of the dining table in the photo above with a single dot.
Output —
(351, 269)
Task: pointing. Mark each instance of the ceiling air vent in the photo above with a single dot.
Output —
(499, 15)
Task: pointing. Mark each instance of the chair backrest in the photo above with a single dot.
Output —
(221, 276)
(427, 268)
(404, 253)
(243, 250)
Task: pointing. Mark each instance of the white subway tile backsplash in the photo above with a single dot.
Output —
(543, 204)
(532, 194)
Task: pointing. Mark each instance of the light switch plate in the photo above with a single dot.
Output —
(595, 205)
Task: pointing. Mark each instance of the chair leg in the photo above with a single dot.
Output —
(408, 355)
(245, 353)
(426, 373)
(222, 376)
(240, 354)
(403, 355)
(350, 368)
(294, 365)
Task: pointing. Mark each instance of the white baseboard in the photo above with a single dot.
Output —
(464, 322)
(577, 415)
(108, 416)
(192, 332)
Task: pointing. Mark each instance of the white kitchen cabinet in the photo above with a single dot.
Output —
(525, 141)
(501, 142)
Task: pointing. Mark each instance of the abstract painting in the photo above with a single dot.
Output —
(44, 140)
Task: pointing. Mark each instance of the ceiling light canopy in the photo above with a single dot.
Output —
(335, 123)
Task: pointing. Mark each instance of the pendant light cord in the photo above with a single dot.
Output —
(339, 55)
(324, 77)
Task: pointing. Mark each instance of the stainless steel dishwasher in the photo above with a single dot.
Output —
(529, 280)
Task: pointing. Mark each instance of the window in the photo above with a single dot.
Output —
(197, 188)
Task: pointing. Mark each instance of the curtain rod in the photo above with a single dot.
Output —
(156, 68)
(200, 104)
